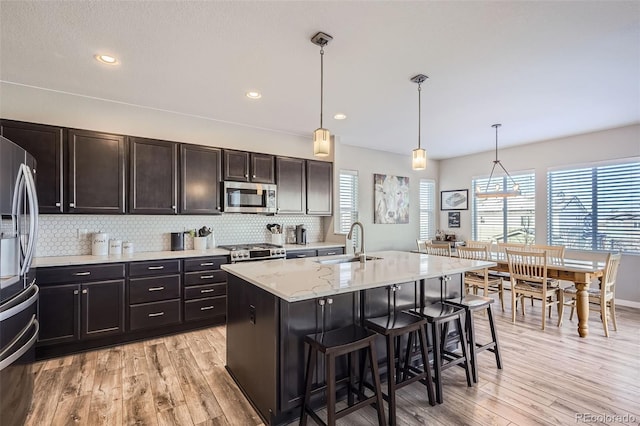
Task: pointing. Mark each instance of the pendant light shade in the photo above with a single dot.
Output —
(321, 136)
(496, 192)
(419, 156)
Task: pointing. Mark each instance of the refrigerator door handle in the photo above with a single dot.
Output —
(32, 198)
(21, 351)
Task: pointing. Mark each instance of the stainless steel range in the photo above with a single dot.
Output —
(245, 252)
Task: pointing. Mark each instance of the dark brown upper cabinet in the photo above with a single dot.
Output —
(45, 144)
(200, 171)
(96, 172)
(249, 167)
(291, 181)
(319, 188)
(153, 176)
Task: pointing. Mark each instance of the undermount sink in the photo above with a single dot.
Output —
(345, 259)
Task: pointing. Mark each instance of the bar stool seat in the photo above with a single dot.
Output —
(393, 327)
(343, 341)
(472, 303)
(438, 316)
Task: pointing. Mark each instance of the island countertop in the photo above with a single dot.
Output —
(301, 279)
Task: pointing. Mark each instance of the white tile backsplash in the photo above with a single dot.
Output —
(58, 234)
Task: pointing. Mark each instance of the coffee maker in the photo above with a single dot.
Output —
(301, 234)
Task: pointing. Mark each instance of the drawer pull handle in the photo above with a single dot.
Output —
(157, 314)
(206, 308)
(209, 290)
(301, 255)
(207, 264)
(82, 274)
(156, 288)
(206, 277)
(151, 268)
(331, 253)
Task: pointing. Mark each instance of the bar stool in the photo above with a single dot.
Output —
(393, 326)
(438, 316)
(343, 341)
(472, 303)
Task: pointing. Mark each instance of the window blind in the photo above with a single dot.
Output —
(595, 208)
(510, 219)
(348, 200)
(427, 209)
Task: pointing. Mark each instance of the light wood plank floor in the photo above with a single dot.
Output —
(550, 377)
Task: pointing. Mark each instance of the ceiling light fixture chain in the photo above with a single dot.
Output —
(321, 136)
(419, 155)
(498, 193)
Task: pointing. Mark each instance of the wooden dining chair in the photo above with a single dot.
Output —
(603, 298)
(481, 278)
(439, 249)
(528, 274)
(555, 254)
(422, 245)
(486, 244)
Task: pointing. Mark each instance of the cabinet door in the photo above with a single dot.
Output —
(58, 314)
(102, 308)
(319, 188)
(236, 166)
(44, 143)
(201, 176)
(291, 181)
(96, 172)
(262, 168)
(153, 186)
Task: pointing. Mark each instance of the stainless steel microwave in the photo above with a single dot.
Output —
(247, 197)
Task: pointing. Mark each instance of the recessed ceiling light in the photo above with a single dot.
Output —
(106, 59)
(340, 116)
(254, 95)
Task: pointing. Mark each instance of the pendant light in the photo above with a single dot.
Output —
(497, 192)
(419, 161)
(321, 136)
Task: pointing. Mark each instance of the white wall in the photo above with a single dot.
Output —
(619, 143)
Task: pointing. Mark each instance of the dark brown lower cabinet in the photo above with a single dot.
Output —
(71, 312)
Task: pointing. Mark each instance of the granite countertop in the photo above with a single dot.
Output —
(301, 279)
(88, 259)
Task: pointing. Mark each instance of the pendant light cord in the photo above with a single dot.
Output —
(419, 112)
(321, 83)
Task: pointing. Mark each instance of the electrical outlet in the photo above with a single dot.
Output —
(81, 233)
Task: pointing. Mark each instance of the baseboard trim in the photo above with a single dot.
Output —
(628, 303)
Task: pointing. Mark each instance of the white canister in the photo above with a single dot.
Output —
(127, 247)
(100, 244)
(115, 247)
(200, 243)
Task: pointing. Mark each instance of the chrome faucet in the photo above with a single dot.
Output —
(361, 254)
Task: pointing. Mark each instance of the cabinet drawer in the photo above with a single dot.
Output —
(209, 290)
(204, 277)
(71, 274)
(152, 289)
(330, 251)
(296, 254)
(156, 314)
(159, 267)
(204, 263)
(205, 308)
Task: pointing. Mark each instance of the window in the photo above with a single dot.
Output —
(348, 200)
(510, 219)
(595, 208)
(427, 209)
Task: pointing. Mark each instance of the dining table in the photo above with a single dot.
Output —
(581, 272)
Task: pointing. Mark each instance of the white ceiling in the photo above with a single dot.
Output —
(543, 69)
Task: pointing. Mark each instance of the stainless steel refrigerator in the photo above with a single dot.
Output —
(18, 290)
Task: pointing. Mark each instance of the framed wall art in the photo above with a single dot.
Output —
(457, 199)
(454, 219)
(391, 199)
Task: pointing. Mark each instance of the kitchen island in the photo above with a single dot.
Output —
(272, 305)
